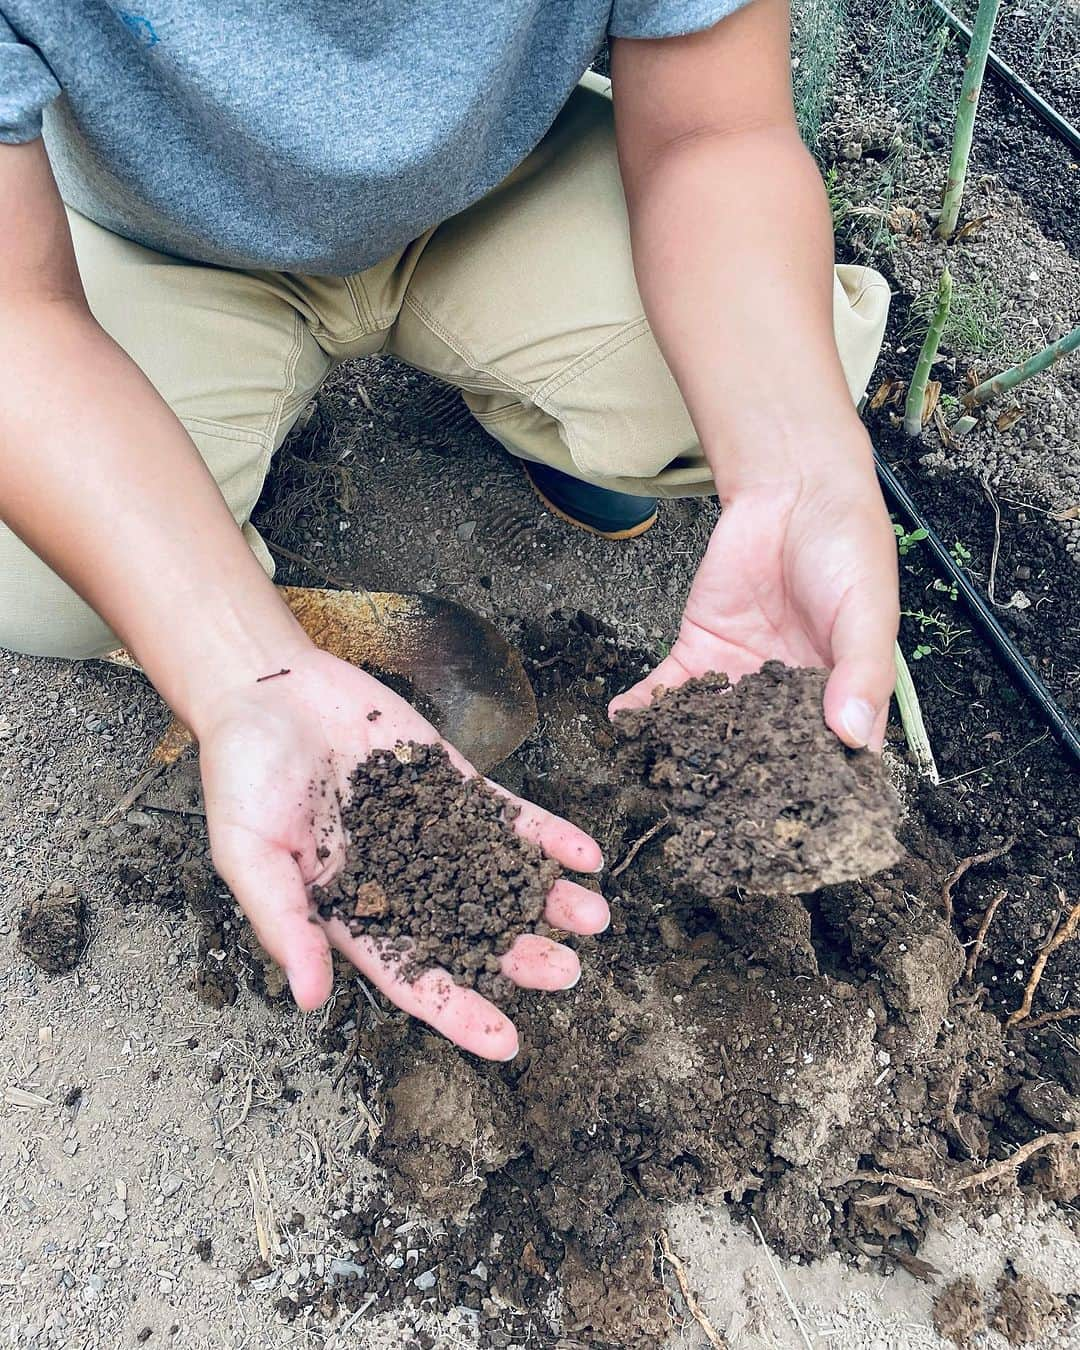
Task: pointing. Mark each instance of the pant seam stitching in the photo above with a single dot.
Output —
(583, 364)
(288, 388)
(502, 381)
(365, 316)
(247, 435)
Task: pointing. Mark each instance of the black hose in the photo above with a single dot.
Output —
(1021, 88)
(1011, 656)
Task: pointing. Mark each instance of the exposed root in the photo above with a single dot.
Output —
(963, 865)
(1003, 1167)
(980, 936)
(1064, 934)
(694, 1307)
(793, 1307)
(1044, 1019)
(638, 845)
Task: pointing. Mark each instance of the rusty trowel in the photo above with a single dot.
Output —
(453, 666)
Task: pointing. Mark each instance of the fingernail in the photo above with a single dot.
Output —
(512, 1055)
(574, 981)
(858, 720)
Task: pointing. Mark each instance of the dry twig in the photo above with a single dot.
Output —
(980, 936)
(311, 566)
(1064, 934)
(696, 1311)
(638, 845)
(132, 795)
(963, 865)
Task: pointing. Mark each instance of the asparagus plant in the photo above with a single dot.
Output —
(1034, 365)
(907, 700)
(913, 408)
(974, 70)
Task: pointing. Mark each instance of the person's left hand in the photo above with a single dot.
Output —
(807, 576)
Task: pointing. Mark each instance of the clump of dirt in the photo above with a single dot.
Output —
(53, 929)
(959, 1314)
(803, 1062)
(433, 868)
(1026, 1308)
(759, 792)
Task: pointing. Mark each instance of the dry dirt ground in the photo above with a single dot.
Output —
(149, 1142)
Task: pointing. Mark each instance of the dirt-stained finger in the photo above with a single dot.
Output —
(575, 909)
(536, 962)
(462, 1015)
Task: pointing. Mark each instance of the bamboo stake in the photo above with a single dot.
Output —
(907, 700)
(974, 70)
(1034, 365)
(913, 408)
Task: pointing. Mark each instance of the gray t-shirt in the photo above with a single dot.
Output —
(313, 136)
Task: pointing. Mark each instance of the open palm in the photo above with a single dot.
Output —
(275, 766)
(809, 580)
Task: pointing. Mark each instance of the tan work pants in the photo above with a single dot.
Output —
(526, 302)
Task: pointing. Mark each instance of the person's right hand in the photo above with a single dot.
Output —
(262, 748)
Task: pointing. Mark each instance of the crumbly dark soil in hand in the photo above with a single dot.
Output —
(759, 793)
(434, 870)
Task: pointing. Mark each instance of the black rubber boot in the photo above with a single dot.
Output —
(613, 515)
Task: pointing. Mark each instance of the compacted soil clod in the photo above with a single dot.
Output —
(53, 929)
(760, 793)
(434, 868)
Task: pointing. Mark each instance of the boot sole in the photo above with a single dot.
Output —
(634, 532)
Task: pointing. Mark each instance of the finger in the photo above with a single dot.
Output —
(536, 962)
(864, 671)
(558, 838)
(670, 673)
(576, 910)
(270, 890)
(461, 1015)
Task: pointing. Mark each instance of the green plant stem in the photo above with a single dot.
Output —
(907, 700)
(927, 356)
(1034, 365)
(974, 70)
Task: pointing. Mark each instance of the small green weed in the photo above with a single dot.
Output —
(906, 540)
(974, 325)
(937, 632)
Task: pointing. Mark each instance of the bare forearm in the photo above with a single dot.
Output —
(733, 250)
(100, 479)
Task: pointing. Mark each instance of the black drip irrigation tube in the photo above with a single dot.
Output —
(1049, 114)
(1007, 651)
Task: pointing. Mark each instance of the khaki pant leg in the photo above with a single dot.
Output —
(527, 302)
(235, 362)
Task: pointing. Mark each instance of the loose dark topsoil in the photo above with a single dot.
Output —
(434, 867)
(760, 793)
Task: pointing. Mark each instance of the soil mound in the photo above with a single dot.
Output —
(53, 930)
(434, 869)
(835, 1068)
(760, 794)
